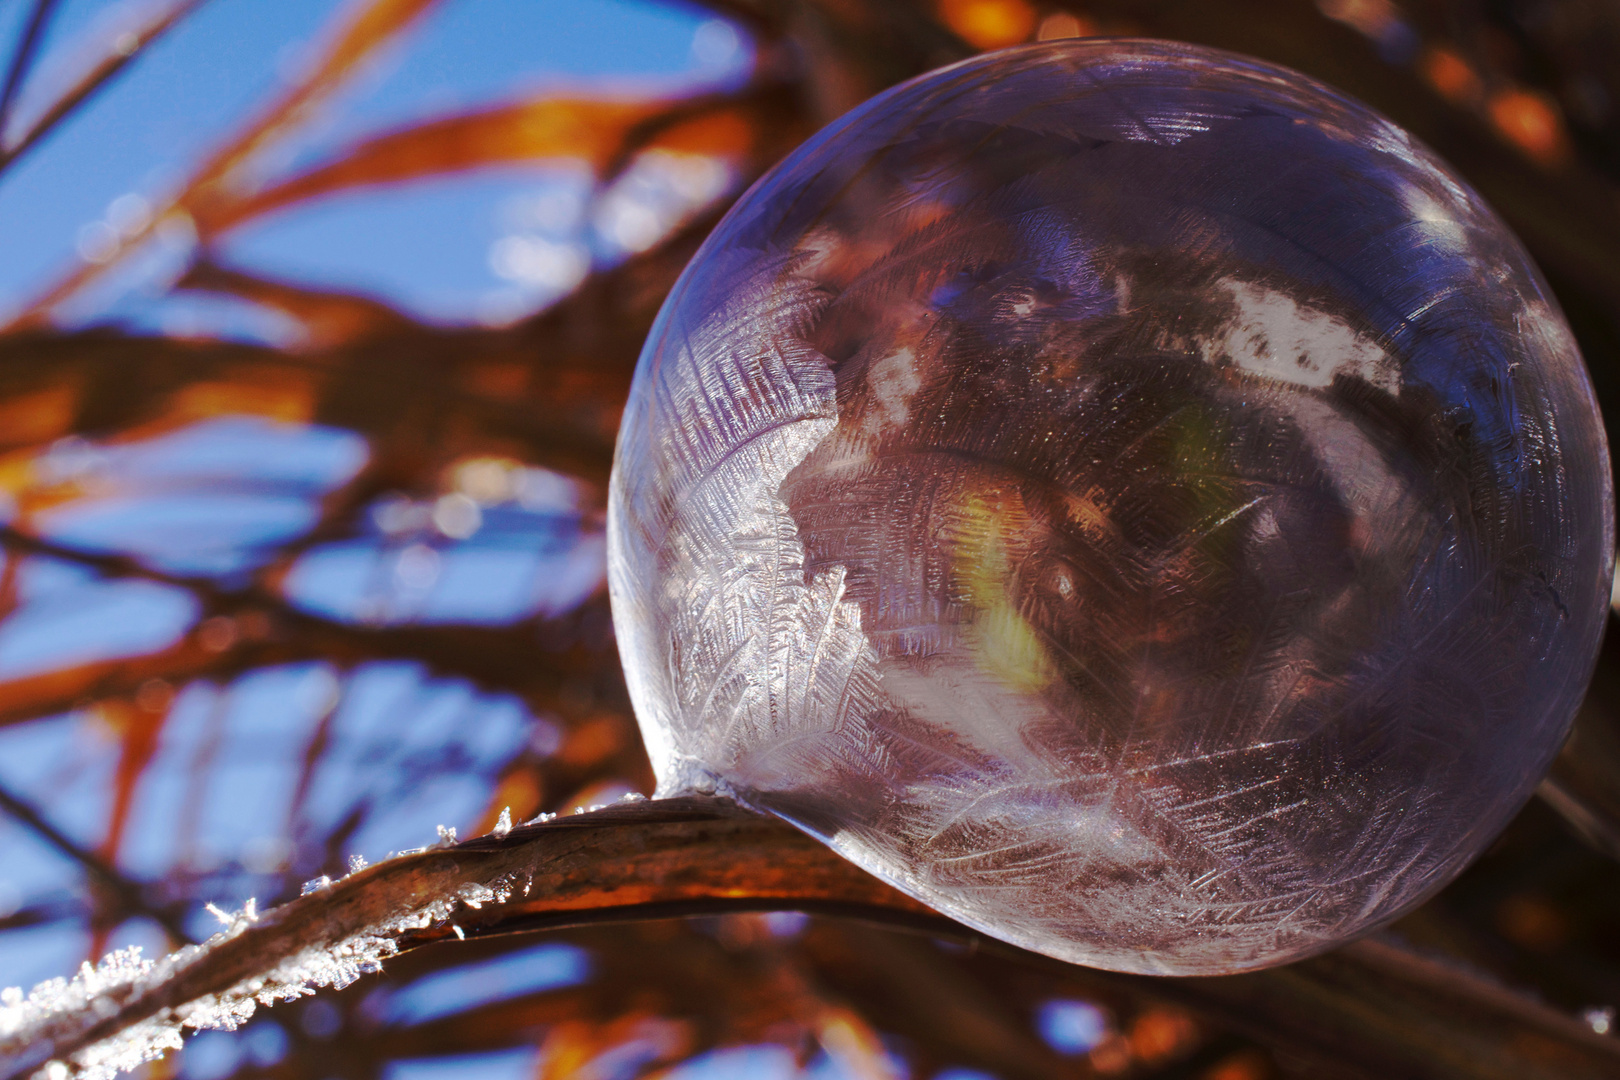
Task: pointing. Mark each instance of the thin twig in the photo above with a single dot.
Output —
(129, 893)
(484, 655)
(23, 59)
(92, 81)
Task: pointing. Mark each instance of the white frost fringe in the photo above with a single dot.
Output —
(59, 1009)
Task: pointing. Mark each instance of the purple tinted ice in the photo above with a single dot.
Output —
(1128, 495)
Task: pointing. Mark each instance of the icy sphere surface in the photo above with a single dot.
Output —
(1129, 496)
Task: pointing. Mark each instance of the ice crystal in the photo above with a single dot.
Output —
(59, 1011)
(117, 971)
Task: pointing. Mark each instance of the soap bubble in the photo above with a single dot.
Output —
(1127, 495)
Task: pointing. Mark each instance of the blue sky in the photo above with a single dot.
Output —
(424, 246)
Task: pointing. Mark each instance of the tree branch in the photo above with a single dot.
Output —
(23, 59)
(488, 656)
(129, 893)
(1375, 1004)
(109, 65)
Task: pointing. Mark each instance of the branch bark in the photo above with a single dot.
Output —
(1375, 1005)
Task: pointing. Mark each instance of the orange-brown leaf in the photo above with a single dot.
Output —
(376, 24)
(721, 133)
(138, 724)
(572, 1046)
(330, 318)
(590, 130)
(35, 417)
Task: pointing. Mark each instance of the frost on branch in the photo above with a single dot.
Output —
(38, 1032)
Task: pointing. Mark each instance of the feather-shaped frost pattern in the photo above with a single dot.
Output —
(756, 650)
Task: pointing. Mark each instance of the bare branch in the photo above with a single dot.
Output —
(489, 656)
(632, 859)
(114, 61)
(1375, 1004)
(1584, 784)
(129, 893)
(23, 59)
(331, 317)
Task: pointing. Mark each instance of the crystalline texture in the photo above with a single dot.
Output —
(1127, 495)
(62, 1012)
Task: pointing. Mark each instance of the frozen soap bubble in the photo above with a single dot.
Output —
(1127, 495)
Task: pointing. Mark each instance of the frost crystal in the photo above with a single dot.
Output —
(19, 1015)
(59, 1011)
